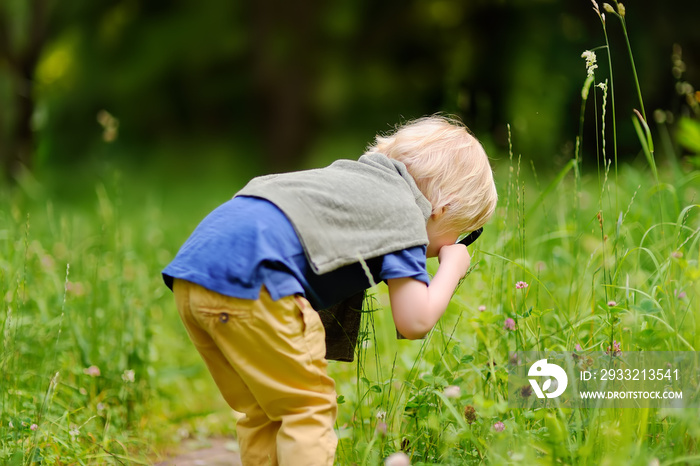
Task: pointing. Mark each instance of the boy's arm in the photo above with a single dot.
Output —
(415, 306)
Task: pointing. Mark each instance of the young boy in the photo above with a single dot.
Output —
(249, 280)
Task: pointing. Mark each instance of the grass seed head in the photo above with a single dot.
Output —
(621, 9)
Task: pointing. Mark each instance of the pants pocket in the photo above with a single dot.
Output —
(314, 333)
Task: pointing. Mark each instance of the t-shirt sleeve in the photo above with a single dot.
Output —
(407, 263)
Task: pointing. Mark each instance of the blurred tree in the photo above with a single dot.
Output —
(24, 31)
(276, 81)
(283, 54)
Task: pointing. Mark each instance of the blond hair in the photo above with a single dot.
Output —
(449, 166)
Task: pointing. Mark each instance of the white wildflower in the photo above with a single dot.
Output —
(591, 61)
(398, 459)
(128, 376)
(452, 391)
(381, 415)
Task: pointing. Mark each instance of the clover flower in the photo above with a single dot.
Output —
(509, 324)
(499, 427)
(92, 371)
(514, 359)
(452, 391)
(578, 347)
(616, 349)
(128, 376)
(520, 285)
(470, 414)
(34, 427)
(381, 428)
(612, 303)
(482, 308)
(398, 459)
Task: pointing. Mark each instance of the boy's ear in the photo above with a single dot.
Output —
(438, 212)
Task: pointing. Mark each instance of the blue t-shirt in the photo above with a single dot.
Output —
(248, 242)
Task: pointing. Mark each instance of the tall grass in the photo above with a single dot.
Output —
(78, 293)
(619, 268)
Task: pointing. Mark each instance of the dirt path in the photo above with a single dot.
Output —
(213, 452)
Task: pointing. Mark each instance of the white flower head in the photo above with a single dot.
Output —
(128, 376)
(398, 459)
(452, 391)
(591, 61)
(381, 415)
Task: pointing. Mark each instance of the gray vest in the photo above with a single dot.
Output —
(349, 211)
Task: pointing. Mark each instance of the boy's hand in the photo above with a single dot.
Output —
(456, 258)
(415, 306)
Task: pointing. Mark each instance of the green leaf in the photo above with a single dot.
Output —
(17, 459)
(688, 134)
(466, 359)
(644, 136)
(647, 306)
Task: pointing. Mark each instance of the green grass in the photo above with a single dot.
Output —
(574, 268)
(80, 287)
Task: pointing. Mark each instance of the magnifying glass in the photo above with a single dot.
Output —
(471, 237)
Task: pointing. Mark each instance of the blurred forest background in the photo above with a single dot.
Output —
(201, 86)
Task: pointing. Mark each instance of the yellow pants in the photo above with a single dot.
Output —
(268, 359)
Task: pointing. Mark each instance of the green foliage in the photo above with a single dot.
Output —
(575, 266)
(286, 83)
(77, 360)
(688, 135)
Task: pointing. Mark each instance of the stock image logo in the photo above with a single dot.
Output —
(543, 369)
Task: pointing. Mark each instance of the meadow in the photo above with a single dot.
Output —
(96, 368)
